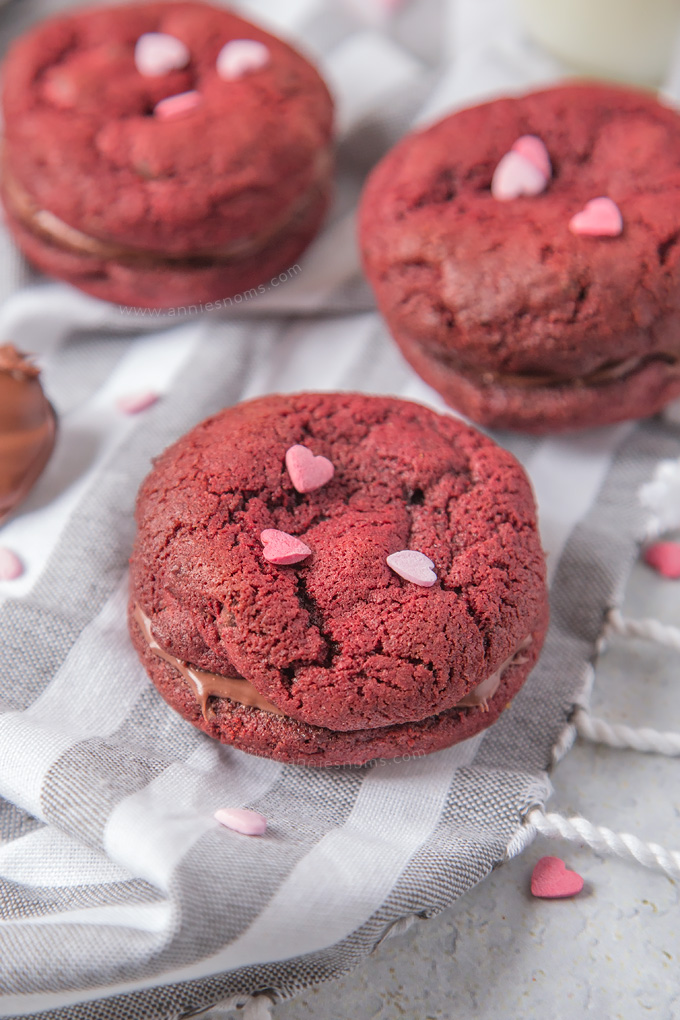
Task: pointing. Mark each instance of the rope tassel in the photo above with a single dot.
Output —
(649, 630)
(602, 840)
(646, 740)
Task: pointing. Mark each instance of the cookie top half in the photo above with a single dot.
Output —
(507, 286)
(85, 143)
(340, 639)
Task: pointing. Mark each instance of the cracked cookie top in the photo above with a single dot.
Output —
(339, 639)
(506, 286)
(96, 143)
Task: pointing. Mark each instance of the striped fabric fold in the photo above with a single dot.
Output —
(121, 897)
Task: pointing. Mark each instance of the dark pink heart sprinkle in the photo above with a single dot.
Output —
(250, 823)
(551, 879)
(306, 471)
(11, 566)
(283, 549)
(176, 106)
(600, 217)
(533, 149)
(133, 403)
(664, 557)
(413, 566)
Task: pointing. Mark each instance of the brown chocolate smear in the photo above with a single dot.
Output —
(482, 693)
(28, 427)
(207, 685)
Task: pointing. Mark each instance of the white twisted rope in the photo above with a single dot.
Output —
(649, 630)
(621, 844)
(648, 741)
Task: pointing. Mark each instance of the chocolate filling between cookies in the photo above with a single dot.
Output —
(55, 231)
(205, 685)
(610, 372)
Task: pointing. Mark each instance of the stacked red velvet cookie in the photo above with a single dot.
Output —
(525, 256)
(329, 578)
(163, 154)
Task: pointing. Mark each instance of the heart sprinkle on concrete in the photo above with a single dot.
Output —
(551, 879)
(664, 557)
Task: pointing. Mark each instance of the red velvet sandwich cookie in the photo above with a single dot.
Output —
(330, 578)
(163, 154)
(525, 256)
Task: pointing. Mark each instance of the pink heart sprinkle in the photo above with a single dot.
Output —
(283, 549)
(11, 566)
(133, 403)
(515, 176)
(413, 566)
(239, 57)
(533, 149)
(551, 879)
(306, 471)
(664, 557)
(250, 823)
(599, 218)
(157, 53)
(175, 106)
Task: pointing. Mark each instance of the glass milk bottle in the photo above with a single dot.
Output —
(629, 40)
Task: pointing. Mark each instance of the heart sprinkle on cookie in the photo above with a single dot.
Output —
(551, 879)
(306, 471)
(175, 106)
(532, 148)
(240, 57)
(250, 823)
(664, 557)
(157, 53)
(11, 566)
(413, 566)
(283, 549)
(525, 170)
(600, 217)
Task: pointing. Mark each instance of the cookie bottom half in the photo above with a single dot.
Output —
(643, 390)
(186, 285)
(287, 740)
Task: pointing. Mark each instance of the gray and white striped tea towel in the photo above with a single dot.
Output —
(121, 897)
